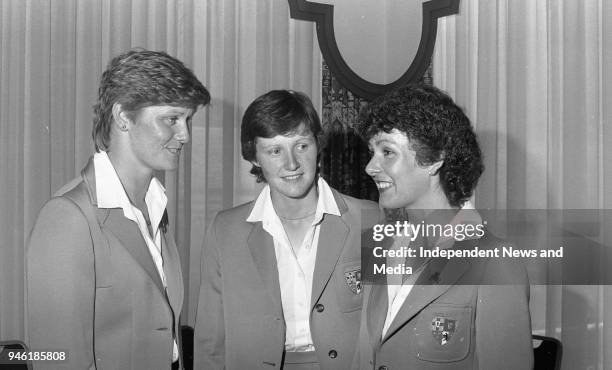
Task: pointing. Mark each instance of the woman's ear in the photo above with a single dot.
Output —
(120, 118)
(435, 167)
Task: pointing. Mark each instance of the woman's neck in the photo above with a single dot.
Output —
(135, 179)
(295, 208)
(429, 206)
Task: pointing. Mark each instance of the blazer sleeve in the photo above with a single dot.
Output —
(503, 323)
(209, 344)
(60, 284)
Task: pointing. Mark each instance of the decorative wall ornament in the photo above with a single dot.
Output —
(323, 16)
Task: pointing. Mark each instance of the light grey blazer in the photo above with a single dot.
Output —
(93, 289)
(240, 324)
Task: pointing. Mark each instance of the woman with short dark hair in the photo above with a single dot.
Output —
(104, 282)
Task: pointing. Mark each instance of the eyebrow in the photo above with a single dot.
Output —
(384, 141)
(300, 135)
(297, 136)
(180, 110)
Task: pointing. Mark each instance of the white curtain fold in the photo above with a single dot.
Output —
(535, 77)
(52, 53)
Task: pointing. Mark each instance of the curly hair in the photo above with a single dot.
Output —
(277, 112)
(141, 78)
(437, 129)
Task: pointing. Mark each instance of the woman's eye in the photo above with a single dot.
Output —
(172, 120)
(275, 151)
(302, 147)
(387, 153)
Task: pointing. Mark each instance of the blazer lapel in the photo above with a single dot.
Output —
(436, 278)
(125, 230)
(174, 275)
(128, 234)
(261, 246)
(332, 237)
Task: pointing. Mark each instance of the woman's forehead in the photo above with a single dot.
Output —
(285, 138)
(395, 136)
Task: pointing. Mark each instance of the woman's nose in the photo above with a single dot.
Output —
(291, 162)
(182, 134)
(372, 168)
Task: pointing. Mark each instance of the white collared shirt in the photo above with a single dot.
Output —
(396, 293)
(111, 194)
(295, 270)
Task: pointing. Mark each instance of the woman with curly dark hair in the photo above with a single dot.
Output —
(437, 313)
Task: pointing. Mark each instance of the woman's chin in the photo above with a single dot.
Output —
(389, 203)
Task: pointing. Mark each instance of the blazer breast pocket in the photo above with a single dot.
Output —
(444, 333)
(348, 286)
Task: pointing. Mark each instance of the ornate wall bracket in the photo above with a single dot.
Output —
(323, 16)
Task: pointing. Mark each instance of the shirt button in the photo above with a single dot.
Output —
(319, 307)
(333, 354)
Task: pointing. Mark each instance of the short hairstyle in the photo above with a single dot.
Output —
(141, 78)
(278, 112)
(437, 129)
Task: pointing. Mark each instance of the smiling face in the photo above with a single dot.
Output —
(157, 134)
(288, 163)
(401, 181)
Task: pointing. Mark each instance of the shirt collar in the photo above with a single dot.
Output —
(111, 194)
(264, 209)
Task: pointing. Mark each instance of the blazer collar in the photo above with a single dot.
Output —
(261, 246)
(342, 207)
(332, 238)
(126, 231)
(89, 178)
